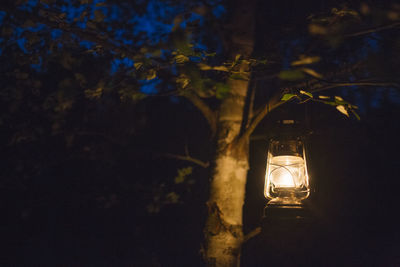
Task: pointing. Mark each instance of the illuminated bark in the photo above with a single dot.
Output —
(223, 230)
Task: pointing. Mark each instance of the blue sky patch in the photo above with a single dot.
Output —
(149, 87)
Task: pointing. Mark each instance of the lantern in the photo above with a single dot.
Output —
(286, 179)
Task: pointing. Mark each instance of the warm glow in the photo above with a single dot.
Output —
(287, 171)
(286, 177)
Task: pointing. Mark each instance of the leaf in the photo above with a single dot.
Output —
(331, 103)
(312, 72)
(345, 12)
(338, 98)
(136, 96)
(152, 74)
(342, 110)
(152, 208)
(237, 57)
(286, 97)
(220, 68)
(98, 15)
(305, 60)
(222, 90)
(156, 53)
(306, 93)
(182, 174)
(67, 61)
(80, 78)
(317, 29)
(213, 54)
(181, 59)
(203, 66)
(137, 65)
(172, 197)
(183, 81)
(93, 94)
(324, 97)
(355, 114)
(291, 75)
(262, 61)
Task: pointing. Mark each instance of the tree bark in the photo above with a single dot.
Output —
(223, 229)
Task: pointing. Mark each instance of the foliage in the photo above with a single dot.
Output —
(77, 77)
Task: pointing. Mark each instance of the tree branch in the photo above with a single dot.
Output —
(207, 112)
(315, 86)
(52, 20)
(272, 104)
(338, 84)
(252, 234)
(188, 158)
(377, 29)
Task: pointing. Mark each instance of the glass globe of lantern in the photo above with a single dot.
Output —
(286, 179)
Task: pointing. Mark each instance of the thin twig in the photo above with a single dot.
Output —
(252, 234)
(272, 104)
(187, 158)
(207, 112)
(338, 84)
(377, 29)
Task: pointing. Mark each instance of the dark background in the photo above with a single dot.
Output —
(107, 196)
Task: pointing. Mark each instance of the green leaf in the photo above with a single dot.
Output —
(137, 65)
(152, 74)
(136, 96)
(220, 68)
(222, 90)
(305, 61)
(172, 197)
(317, 29)
(93, 94)
(203, 66)
(182, 174)
(237, 57)
(312, 72)
(262, 61)
(286, 97)
(180, 59)
(324, 97)
(355, 114)
(183, 81)
(291, 75)
(306, 93)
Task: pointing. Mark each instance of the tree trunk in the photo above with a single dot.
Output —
(223, 230)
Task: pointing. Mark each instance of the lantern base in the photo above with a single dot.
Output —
(287, 211)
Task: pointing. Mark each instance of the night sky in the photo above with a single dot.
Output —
(92, 124)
